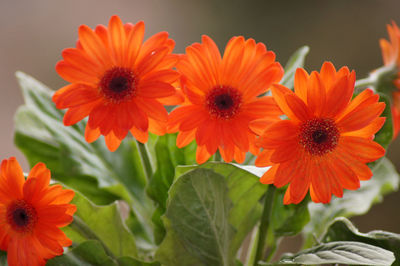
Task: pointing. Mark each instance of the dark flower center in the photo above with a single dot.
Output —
(21, 216)
(319, 136)
(118, 84)
(223, 102)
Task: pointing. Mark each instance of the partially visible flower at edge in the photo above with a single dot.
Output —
(120, 83)
(31, 213)
(222, 97)
(327, 141)
(391, 57)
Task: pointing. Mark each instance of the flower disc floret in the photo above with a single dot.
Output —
(22, 216)
(319, 135)
(118, 84)
(223, 102)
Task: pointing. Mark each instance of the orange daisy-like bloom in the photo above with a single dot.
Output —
(222, 97)
(118, 82)
(31, 213)
(326, 142)
(391, 56)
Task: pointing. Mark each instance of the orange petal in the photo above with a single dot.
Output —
(279, 93)
(184, 138)
(74, 95)
(202, 154)
(321, 182)
(152, 108)
(338, 97)
(278, 133)
(365, 150)
(316, 94)
(360, 117)
(91, 134)
(134, 39)
(328, 75)
(263, 159)
(76, 114)
(346, 176)
(298, 107)
(112, 141)
(12, 177)
(269, 176)
(117, 39)
(93, 45)
(141, 136)
(239, 155)
(300, 84)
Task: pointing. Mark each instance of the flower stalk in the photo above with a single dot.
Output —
(144, 156)
(264, 223)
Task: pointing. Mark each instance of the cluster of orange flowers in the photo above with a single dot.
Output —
(123, 84)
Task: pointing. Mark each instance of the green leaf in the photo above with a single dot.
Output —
(294, 62)
(288, 220)
(3, 258)
(198, 211)
(342, 229)
(245, 191)
(91, 252)
(129, 261)
(342, 252)
(385, 179)
(100, 175)
(385, 134)
(167, 156)
(173, 251)
(87, 253)
(102, 223)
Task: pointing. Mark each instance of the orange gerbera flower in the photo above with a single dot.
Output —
(326, 142)
(391, 56)
(31, 213)
(223, 97)
(117, 81)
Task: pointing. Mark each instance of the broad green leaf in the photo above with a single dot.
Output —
(91, 252)
(173, 251)
(342, 229)
(197, 212)
(342, 252)
(294, 62)
(89, 168)
(385, 179)
(245, 191)
(86, 254)
(167, 156)
(129, 261)
(102, 223)
(287, 220)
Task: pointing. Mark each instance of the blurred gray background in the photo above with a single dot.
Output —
(33, 34)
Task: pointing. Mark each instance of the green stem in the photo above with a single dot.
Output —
(265, 222)
(81, 227)
(217, 157)
(144, 155)
(364, 83)
(249, 159)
